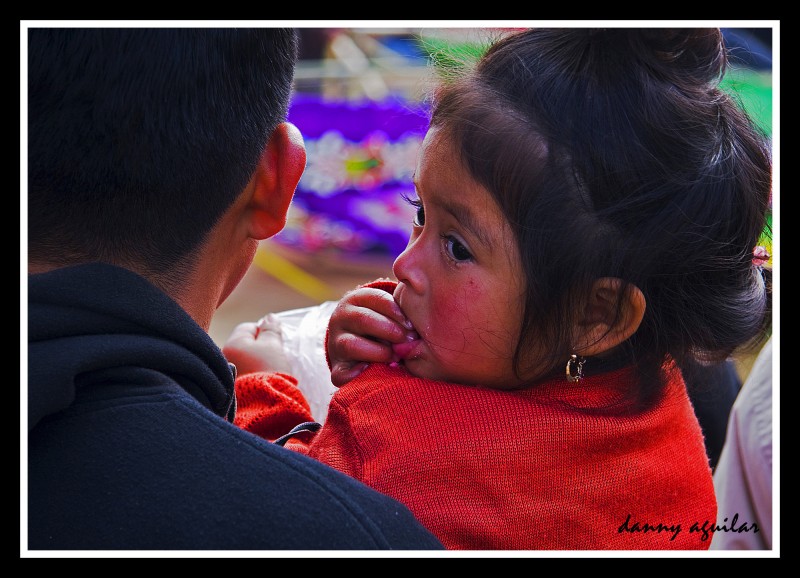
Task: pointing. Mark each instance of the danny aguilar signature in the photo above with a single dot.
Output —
(704, 530)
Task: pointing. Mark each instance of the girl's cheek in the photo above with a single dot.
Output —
(455, 306)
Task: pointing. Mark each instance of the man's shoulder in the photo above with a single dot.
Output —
(165, 464)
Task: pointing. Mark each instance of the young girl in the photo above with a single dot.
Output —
(589, 205)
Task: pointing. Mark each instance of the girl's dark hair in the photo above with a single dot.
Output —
(614, 153)
(141, 138)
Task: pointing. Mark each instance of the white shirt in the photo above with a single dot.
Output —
(743, 476)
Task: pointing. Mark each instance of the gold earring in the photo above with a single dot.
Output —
(575, 368)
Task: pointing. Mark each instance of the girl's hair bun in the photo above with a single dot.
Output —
(697, 53)
(678, 55)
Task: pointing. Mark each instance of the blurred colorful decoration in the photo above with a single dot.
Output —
(361, 161)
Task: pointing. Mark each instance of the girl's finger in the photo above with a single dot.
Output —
(378, 301)
(349, 348)
(341, 373)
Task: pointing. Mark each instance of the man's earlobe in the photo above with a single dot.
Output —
(613, 313)
(276, 177)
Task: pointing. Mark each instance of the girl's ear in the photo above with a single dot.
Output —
(276, 177)
(602, 329)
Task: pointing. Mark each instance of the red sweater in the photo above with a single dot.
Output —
(558, 466)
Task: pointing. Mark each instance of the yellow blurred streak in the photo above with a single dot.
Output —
(293, 276)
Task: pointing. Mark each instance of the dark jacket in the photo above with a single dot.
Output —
(131, 445)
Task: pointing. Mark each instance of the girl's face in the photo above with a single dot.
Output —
(460, 281)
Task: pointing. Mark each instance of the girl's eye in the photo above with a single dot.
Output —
(419, 221)
(456, 249)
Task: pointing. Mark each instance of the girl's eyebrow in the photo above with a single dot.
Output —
(467, 218)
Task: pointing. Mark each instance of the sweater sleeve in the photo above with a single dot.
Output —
(269, 404)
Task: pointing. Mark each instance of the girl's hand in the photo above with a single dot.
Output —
(362, 329)
(256, 347)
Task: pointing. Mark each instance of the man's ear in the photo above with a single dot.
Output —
(603, 328)
(276, 177)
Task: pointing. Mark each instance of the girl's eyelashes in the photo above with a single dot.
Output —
(419, 219)
(455, 249)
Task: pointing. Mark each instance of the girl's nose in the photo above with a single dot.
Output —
(407, 268)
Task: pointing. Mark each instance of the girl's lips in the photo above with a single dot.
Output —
(409, 348)
(406, 349)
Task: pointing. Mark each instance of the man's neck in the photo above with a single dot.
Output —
(201, 310)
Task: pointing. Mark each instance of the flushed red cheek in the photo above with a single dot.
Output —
(459, 307)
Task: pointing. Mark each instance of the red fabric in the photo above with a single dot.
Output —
(269, 404)
(559, 466)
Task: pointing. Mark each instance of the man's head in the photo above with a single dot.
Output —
(141, 139)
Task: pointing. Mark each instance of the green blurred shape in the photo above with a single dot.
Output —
(753, 90)
(448, 55)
